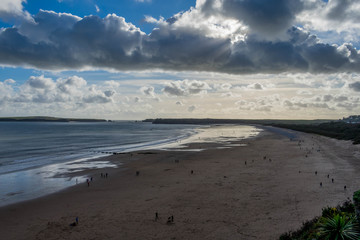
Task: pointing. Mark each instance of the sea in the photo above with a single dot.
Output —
(40, 158)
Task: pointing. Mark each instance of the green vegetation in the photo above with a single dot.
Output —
(335, 223)
(208, 121)
(339, 130)
(335, 129)
(356, 198)
(338, 227)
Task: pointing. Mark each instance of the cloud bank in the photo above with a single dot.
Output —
(226, 96)
(227, 36)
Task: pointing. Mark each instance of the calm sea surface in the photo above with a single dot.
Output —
(34, 155)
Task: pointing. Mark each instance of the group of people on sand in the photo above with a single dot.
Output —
(102, 175)
(75, 223)
(170, 219)
(309, 151)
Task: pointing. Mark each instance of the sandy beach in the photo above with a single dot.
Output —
(258, 191)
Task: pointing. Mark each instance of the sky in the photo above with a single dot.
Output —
(137, 59)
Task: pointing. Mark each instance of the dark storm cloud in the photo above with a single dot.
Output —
(268, 17)
(338, 9)
(91, 41)
(63, 41)
(355, 86)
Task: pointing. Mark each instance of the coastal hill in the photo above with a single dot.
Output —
(48, 119)
(202, 121)
(338, 129)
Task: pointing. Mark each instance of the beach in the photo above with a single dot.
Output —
(257, 189)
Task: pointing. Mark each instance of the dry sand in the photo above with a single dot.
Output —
(222, 199)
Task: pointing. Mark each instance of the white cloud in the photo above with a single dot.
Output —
(185, 88)
(148, 91)
(75, 96)
(10, 81)
(256, 86)
(12, 11)
(337, 19)
(72, 91)
(191, 108)
(97, 8)
(137, 100)
(222, 86)
(112, 83)
(230, 95)
(41, 82)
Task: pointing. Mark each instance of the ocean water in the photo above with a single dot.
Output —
(36, 156)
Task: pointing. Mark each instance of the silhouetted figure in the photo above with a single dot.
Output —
(299, 171)
(91, 179)
(106, 175)
(192, 172)
(172, 218)
(332, 180)
(77, 220)
(315, 172)
(156, 216)
(345, 187)
(328, 175)
(320, 184)
(137, 173)
(245, 163)
(88, 182)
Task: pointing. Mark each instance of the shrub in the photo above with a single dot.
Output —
(340, 217)
(338, 227)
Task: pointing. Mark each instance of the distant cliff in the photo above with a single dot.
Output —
(206, 121)
(48, 119)
(331, 128)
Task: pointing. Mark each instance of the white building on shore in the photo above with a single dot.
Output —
(352, 119)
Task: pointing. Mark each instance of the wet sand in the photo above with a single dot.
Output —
(258, 191)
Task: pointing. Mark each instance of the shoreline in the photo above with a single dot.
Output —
(222, 199)
(39, 181)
